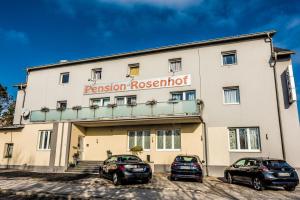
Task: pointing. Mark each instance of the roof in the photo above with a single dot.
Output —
(281, 51)
(161, 49)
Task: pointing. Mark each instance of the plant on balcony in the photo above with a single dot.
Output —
(111, 105)
(61, 109)
(136, 150)
(151, 102)
(76, 107)
(94, 107)
(45, 109)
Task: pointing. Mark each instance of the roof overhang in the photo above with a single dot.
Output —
(14, 127)
(141, 121)
(216, 41)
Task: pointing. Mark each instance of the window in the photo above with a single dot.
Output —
(61, 104)
(231, 95)
(245, 139)
(8, 150)
(97, 74)
(168, 139)
(229, 58)
(126, 100)
(100, 101)
(64, 78)
(175, 65)
(134, 69)
(184, 95)
(139, 138)
(44, 140)
(240, 163)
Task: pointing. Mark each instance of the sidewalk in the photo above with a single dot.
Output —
(74, 186)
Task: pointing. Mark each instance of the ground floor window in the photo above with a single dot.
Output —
(44, 140)
(139, 138)
(169, 139)
(8, 150)
(244, 139)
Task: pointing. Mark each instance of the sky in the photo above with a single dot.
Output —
(36, 32)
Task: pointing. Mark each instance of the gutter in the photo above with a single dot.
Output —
(274, 58)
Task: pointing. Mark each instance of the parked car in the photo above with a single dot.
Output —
(262, 172)
(121, 168)
(187, 166)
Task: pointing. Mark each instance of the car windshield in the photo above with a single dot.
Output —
(129, 158)
(185, 159)
(276, 164)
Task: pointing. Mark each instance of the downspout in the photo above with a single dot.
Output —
(273, 65)
(205, 147)
(24, 96)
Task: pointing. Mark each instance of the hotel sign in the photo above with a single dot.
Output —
(154, 83)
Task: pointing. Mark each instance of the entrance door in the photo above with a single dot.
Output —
(80, 147)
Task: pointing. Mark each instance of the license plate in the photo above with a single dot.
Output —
(283, 174)
(185, 167)
(138, 169)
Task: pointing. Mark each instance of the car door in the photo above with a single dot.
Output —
(111, 166)
(237, 170)
(251, 169)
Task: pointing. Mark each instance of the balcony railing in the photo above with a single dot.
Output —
(158, 109)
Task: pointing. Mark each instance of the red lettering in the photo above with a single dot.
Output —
(178, 81)
(116, 87)
(149, 84)
(185, 80)
(142, 85)
(87, 89)
(133, 85)
(155, 83)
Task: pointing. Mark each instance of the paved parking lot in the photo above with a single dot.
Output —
(28, 185)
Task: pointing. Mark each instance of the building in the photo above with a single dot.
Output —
(220, 99)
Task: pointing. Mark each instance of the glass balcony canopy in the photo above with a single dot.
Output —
(140, 110)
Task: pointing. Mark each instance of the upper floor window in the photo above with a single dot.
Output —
(175, 65)
(231, 95)
(229, 57)
(61, 104)
(184, 95)
(97, 74)
(64, 78)
(8, 150)
(44, 140)
(126, 100)
(134, 69)
(100, 101)
(244, 138)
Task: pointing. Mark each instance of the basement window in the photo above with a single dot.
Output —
(8, 150)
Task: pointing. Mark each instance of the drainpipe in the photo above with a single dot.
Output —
(274, 58)
(201, 105)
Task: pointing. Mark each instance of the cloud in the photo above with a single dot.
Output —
(13, 36)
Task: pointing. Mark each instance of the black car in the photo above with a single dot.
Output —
(187, 166)
(121, 168)
(262, 172)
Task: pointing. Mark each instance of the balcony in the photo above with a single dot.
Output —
(113, 112)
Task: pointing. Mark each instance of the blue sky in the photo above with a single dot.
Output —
(35, 32)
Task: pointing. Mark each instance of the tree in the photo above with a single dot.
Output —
(7, 107)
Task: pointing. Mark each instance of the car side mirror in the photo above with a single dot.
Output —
(235, 166)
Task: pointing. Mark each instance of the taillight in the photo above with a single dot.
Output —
(121, 167)
(264, 169)
(196, 165)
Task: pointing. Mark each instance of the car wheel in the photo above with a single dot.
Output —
(229, 178)
(290, 188)
(200, 180)
(116, 179)
(145, 181)
(257, 184)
